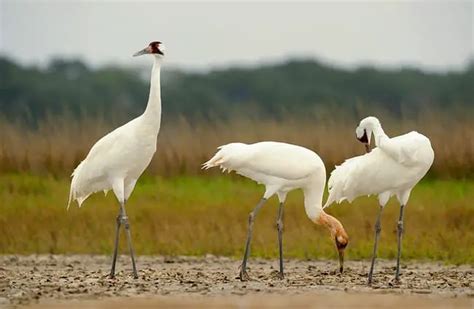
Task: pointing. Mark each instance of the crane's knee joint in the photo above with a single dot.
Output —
(124, 220)
(279, 225)
(251, 217)
(378, 228)
(400, 226)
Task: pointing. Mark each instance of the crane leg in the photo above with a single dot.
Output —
(129, 239)
(117, 234)
(243, 267)
(378, 228)
(399, 236)
(279, 225)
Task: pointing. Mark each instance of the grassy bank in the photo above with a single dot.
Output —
(197, 215)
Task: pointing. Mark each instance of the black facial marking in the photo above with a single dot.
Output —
(364, 139)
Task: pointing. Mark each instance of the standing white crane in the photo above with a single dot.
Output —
(394, 167)
(119, 158)
(281, 168)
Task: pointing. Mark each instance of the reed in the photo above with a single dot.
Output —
(56, 146)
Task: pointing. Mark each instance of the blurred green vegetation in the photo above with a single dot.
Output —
(297, 87)
(192, 215)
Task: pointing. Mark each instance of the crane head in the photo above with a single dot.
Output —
(361, 135)
(155, 48)
(338, 233)
(341, 240)
(364, 131)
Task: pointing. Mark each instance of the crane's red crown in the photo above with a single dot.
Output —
(155, 48)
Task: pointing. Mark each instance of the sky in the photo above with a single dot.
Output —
(435, 36)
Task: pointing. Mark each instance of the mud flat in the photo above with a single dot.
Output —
(82, 281)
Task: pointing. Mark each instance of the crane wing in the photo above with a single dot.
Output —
(372, 173)
(87, 177)
(274, 159)
(396, 165)
(405, 149)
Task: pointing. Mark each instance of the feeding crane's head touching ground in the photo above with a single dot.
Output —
(338, 233)
(364, 130)
(341, 241)
(154, 48)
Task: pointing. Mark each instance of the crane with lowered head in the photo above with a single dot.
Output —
(281, 167)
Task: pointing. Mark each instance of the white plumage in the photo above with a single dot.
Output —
(118, 159)
(394, 167)
(281, 168)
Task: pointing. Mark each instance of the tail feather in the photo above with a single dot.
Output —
(340, 187)
(71, 190)
(74, 192)
(224, 157)
(216, 160)
(70, 199)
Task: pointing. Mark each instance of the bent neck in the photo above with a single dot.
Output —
(379, 133)
(333, 225)
(313, 200)
(153, 109)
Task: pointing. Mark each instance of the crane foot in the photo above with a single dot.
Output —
(244, 276)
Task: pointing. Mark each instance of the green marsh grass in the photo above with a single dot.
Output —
(197, 215)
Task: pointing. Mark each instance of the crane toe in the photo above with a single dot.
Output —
(277, 275)
(243, 275)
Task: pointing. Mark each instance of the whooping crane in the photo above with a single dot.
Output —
(281, 168)
(118, 159)
(394, 167)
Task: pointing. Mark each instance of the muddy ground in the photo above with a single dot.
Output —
(82, 281)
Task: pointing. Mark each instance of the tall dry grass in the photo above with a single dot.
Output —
(57, 146)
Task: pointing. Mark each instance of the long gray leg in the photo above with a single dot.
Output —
(243, 268)
(378, 228)
(399, 234)
(129, 239)
(279, 225)
(117, 234)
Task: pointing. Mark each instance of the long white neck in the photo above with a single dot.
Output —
(152, 112)
(313, 197)
(379, 134)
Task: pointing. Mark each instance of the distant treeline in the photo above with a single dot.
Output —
(298, 87)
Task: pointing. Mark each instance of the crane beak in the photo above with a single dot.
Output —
(363, 139)
(146, 50)
(341, 246)
(341, 260)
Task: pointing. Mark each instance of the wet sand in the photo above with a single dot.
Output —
(82, 281)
